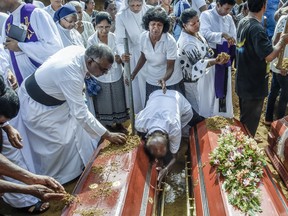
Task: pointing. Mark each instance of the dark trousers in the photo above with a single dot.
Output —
(250, 112)
(279, 82)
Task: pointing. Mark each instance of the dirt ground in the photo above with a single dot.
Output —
(56, 207)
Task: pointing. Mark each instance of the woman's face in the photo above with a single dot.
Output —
(69, 21)
(135, 5)
(90, 5)
(79, 12)
(192, 26)
(112, 10)
(155, 28)
(103, 28)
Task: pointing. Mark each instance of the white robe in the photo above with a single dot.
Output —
(59, 135)
(48, 43)
(193, 57)
(168, 112)
(50, 10)
(70, 36)
(48, 40)
(128, 24)
(4, 66)
(87, 32)
(212, 26)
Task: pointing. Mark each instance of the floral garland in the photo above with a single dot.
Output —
(240, 161)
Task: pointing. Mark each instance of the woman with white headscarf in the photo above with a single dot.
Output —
(128, 24)
(85, 28)
(65, 19)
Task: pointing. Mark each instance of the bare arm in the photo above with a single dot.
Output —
(40, 185)
(170, 69)
(283, 39)
(140, 63)
(40, 191)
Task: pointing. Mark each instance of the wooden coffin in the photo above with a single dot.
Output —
(115, 184)
(210, 198)
(278, 147)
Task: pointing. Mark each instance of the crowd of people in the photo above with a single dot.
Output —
(63, 87)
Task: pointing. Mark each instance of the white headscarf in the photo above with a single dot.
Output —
(125, 5)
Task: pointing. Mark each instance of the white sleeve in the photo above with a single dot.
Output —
(49, 40)
(205, 29)
(72, 90)
(174, 138)
(185, 111)
(171, 48)
(199, 3)
(198, 66)
(120, 34)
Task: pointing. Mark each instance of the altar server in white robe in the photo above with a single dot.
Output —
(218, 28)
(42, 41)
(128, 25)
(58, 123)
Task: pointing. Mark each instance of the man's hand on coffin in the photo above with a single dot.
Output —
(117, 138)
(162, 173)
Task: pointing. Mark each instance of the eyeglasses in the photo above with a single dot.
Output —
(103, 27)
(135, 5)
(69, 21)
(102, 69)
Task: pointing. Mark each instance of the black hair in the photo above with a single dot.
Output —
(107, 2)
(230, 2)
(156, 14)
(186, 15)
(9, 101)
(102, 15)
(256, 5)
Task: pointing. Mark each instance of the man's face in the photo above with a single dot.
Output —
(98, 67)
(224, 9)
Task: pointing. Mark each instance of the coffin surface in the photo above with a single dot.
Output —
(210, 198)
(129, 178)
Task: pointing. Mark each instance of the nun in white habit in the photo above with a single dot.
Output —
(129, 24)
(65, 19)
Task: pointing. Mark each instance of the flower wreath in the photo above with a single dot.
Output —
(240, 161)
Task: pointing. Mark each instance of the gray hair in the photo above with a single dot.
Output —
(75, 4)
(100, 51)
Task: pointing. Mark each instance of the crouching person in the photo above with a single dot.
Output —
(162, 121)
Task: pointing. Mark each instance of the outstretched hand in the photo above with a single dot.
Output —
(117, 138)
(46, 194)
(163, 85)
(162, 173)
(14, 136)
